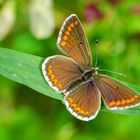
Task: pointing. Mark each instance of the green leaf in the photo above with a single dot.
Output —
(26, 69)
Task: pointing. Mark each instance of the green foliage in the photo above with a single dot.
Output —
(25, 69)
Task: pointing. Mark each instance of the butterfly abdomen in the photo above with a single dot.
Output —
(74, 84)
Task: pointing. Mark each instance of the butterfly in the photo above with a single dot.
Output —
(80, 83)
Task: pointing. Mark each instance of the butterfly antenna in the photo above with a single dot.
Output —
(121, 74)
(97, 52)
(96, 62)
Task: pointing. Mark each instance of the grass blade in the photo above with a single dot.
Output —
(25, 69)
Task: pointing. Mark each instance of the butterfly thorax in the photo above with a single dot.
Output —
(86, 76)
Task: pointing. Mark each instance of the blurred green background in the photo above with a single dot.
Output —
(32, 27)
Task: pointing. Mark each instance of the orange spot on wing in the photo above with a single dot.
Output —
(67, 33)
(132, 99)
(72, 25)
(50, 71)
(136, 96)
(123, 102)
(52, 76)
(118, 103)
(112, 103)
(50, 67)
(69, 29)
(77, 108)
(82, 112)
(70, 100)
(73, 105)
(128, 101)
(55, 81)
(63, 43)
(65, 37)
(76, 22)
(86, 113)
(59, 86)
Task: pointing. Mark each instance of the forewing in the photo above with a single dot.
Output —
(59, 71)
(84, 102)
(115, 94)
(73, 42)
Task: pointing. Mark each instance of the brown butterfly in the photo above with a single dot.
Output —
(80, 83)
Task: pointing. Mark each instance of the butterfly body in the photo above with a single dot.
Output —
(80, 83)
(86, 76)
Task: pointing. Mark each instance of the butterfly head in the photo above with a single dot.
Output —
(95, 70)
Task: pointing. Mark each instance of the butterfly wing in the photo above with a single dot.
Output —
(59, 71)
(84, 102)
(115, 94)
(73, 42)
